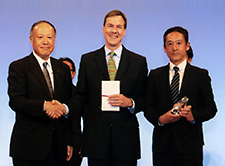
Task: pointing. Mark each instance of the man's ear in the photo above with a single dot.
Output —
(188, 46)
(31, 40)
(164, 48)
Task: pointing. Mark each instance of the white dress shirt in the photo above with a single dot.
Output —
(49, 67)
(116, 59)
(181, 67)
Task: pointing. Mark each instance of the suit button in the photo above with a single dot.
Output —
(110, 124)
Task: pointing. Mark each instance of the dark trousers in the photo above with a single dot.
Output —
(75, 160)
(52, 159)
(110, 158)
(23, 162)
(113, 162)
(174, 158)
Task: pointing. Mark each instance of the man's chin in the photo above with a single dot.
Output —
(44, 56)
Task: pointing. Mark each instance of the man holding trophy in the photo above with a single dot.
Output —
(179, 99)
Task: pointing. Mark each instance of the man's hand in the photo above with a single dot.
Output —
(63, 108)
(54, 109)
(187, 113)
(120, 100)
(169, 118)
(69, 153)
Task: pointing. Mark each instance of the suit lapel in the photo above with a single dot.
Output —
(35, 68)
(186, 78)
(185, 82)
(123, 64)
(166, 82)
(101, 62)
(56, 76)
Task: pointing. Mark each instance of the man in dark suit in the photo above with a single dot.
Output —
(178, 138)
(75, 121)
(111, 138)
(39, 136)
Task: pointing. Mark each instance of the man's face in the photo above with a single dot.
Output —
(114, 32)
(73, 73)
(176, 47)
(43, 40)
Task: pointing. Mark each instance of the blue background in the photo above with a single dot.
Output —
(79, 30)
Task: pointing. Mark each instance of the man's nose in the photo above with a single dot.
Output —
(45, 40)
(175, 46)
(114, 30)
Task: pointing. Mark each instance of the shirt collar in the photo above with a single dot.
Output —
(118, 51)
(41, 61)
(181, 66)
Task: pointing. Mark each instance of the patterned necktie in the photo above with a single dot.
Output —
(174, 86)
(111, 67)
(47, 78)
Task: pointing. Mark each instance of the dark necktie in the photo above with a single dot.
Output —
(47, 78)
(111, 67)
(174, 86)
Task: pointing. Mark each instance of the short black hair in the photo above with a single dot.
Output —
(70, 61)
(190, 53)
(179, 29)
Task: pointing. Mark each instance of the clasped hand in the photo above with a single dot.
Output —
(54, 109)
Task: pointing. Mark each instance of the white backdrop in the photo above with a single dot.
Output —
(79, 25)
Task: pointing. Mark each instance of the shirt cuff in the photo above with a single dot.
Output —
(160, 123)
(67, 111)
(192, 122)
(132, 109)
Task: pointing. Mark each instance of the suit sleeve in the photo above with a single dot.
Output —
(77, 101)
(74, 122)
(18, 93)
(150, 113)
(208, 109)
(139, 95)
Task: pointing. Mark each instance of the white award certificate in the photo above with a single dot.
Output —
(109, 88)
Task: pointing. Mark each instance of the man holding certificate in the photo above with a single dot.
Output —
(110, 91)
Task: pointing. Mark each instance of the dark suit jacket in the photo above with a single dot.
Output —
(186, 137)
(33, 130)
(75, 125)
(99, 126)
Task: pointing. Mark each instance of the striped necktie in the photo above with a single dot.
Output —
(111, 67)
(47, 78)
(174, 86)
